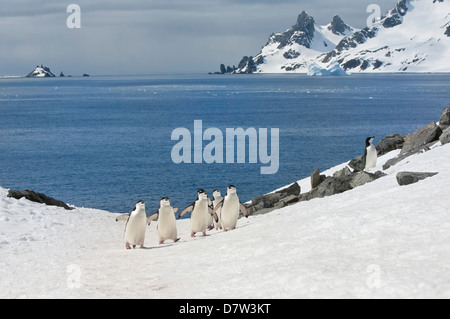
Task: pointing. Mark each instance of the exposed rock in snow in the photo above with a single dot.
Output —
(408, 178)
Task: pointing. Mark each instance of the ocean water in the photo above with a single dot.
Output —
(105, 142)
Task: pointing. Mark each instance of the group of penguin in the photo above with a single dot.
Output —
(219, 213)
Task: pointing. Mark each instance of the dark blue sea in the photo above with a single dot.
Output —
(105, 142)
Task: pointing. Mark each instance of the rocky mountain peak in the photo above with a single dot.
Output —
(338, 26)
(304, 23)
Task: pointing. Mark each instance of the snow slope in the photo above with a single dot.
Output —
(380, 240)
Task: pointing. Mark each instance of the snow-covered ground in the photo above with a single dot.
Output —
(380, 240)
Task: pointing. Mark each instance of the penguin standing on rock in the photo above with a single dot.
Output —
(370, 154)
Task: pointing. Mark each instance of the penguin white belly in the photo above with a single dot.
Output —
(135, 231)
(230, 213)
(167, 228)
(371, 157)
(199, 218)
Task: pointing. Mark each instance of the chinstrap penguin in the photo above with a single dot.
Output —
(167, 227)
(230, 208)
(135, 226)
(370, 154)
(201, 212)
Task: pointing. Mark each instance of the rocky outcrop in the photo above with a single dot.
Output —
(269, 202)
(338, 26)
(444, 122)
(390, 143)
(407, 178)
(445, 137)
(419, 139)
(38, 198)
(316, 178)
(353, 175)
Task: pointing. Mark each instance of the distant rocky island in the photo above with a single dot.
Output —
(44, 72)
(41, 72)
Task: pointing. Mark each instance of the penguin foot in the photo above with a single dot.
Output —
(127, 246)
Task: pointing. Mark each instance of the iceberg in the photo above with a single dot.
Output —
(334, 69)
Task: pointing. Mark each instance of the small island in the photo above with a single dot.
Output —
(41, 72)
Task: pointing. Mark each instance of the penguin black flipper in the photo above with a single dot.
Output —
(152, 217)
(219, 205)
(244, 210)
(190, 208)
(123, 217)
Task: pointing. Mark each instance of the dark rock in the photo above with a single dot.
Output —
(358, 163)
(291, 54)
(38, 198)
(338, 26)
(447, 32)
(330, 186)
(394, 16)
(316, 178)
(351, 64)
(294, 189)
(422, 137)
(390, 143)
(361, 178)
(401, 157)
(407, 178)
(247, 65)
(343, 172)
(444, 122)
(269, 202)
(445, 137)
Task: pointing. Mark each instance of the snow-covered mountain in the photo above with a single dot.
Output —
(414, 36)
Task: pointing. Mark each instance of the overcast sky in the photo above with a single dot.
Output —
(153, 36)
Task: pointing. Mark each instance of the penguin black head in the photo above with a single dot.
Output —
(216, 192)
(231, 189)
(140, 203)
(164, 202)
(202, 194)
(369, 140)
